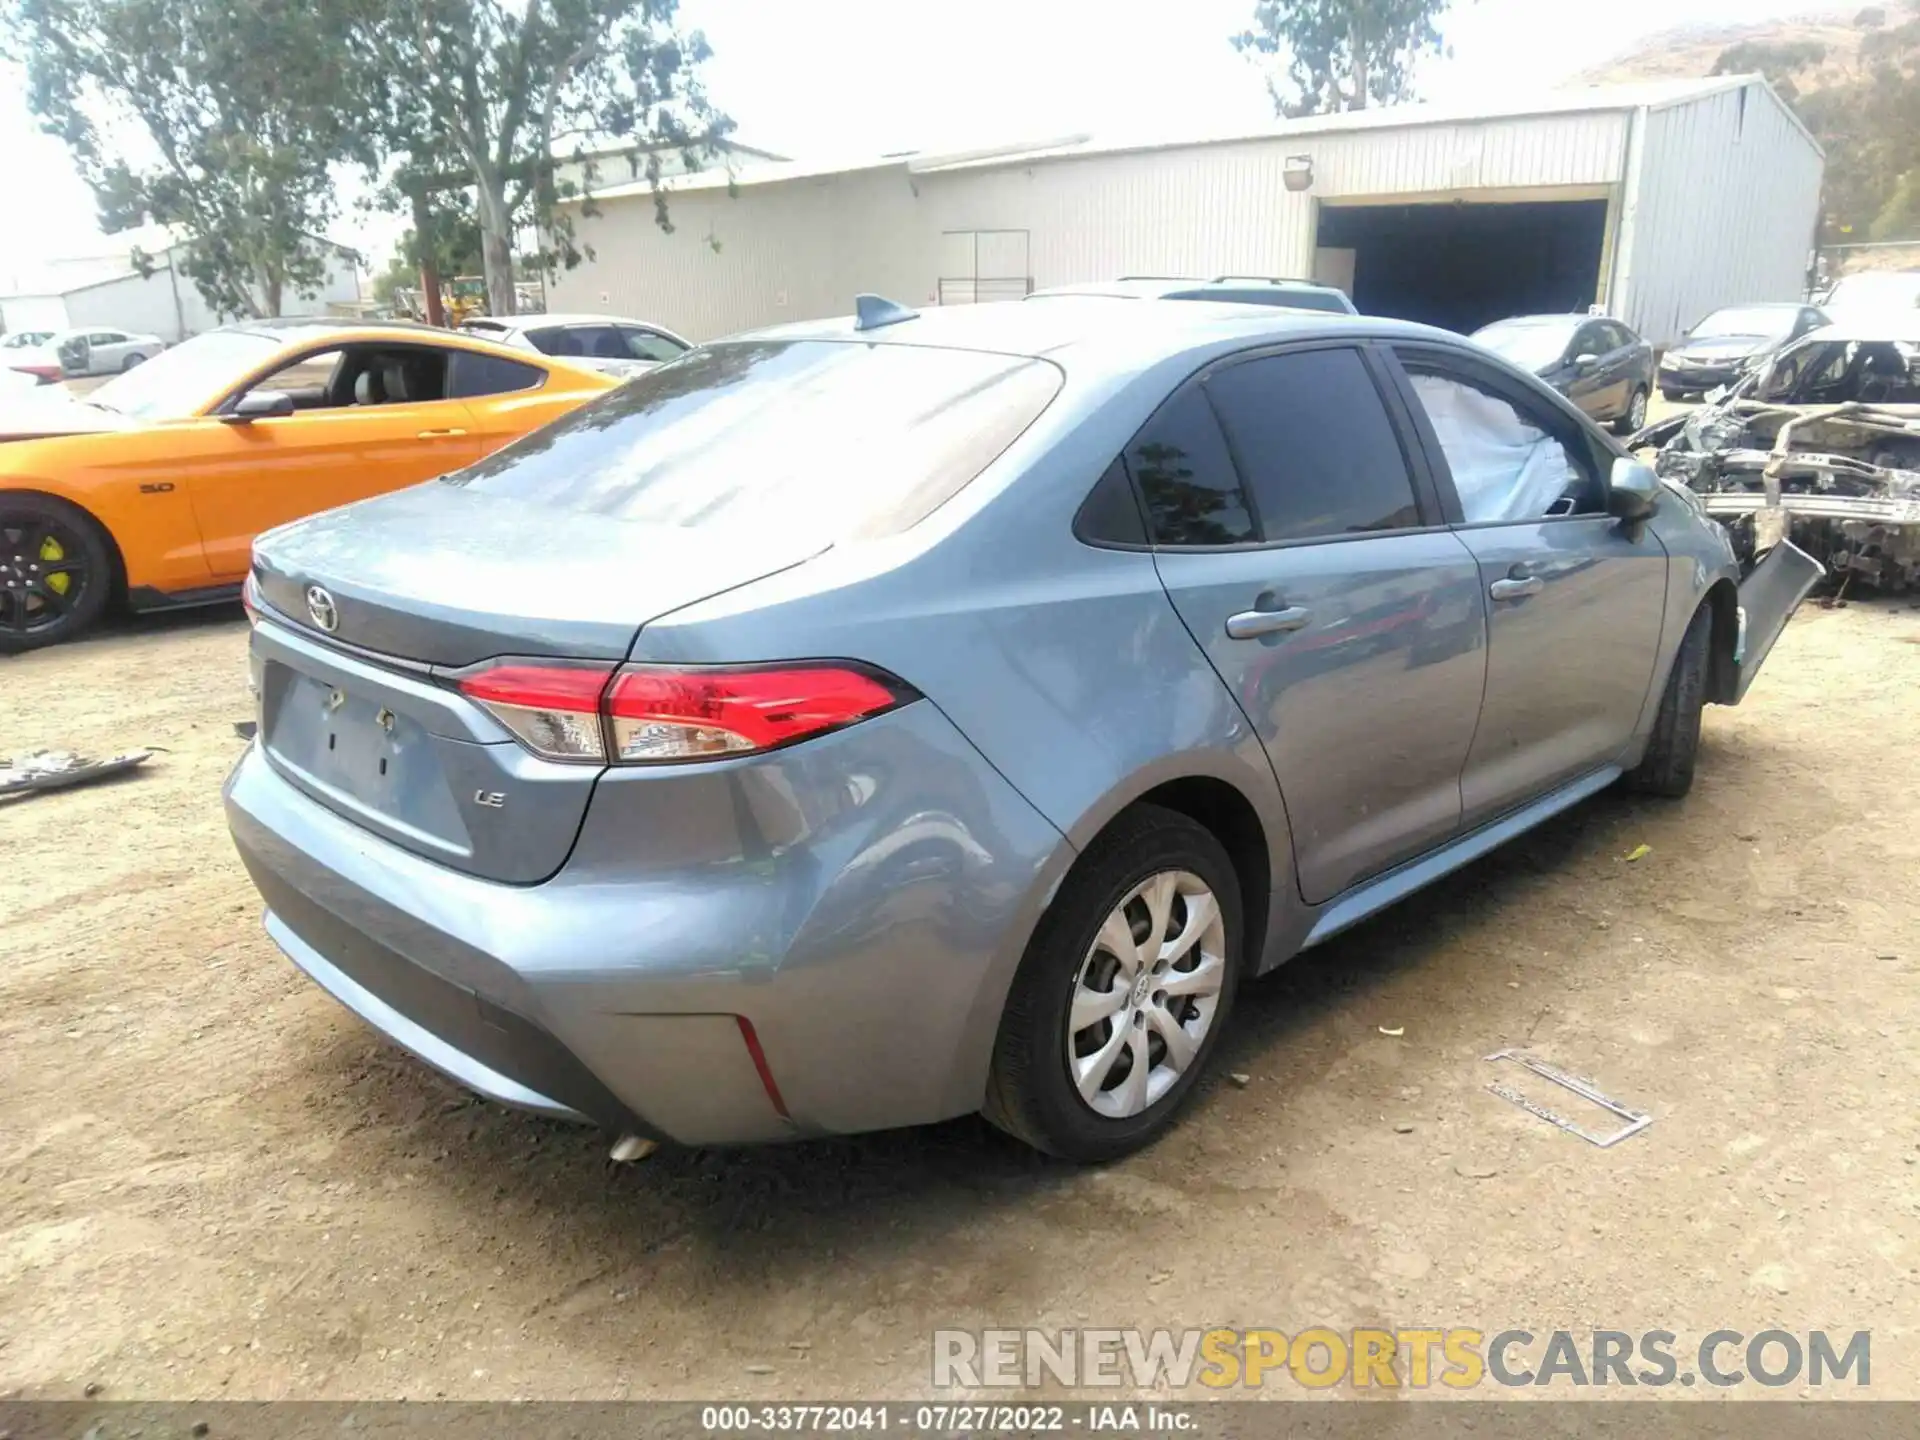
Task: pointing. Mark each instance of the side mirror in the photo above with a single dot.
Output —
(1633, 490)
(1585, 361)
(260, 405)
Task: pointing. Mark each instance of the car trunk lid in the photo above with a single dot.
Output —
(444, 576)
(368, 613)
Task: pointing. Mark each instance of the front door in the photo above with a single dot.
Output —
(1301, 554)
(1575, 599)
(369, 420)
(1591, 387)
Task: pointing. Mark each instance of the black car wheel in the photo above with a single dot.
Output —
(1635, 418)
(1123, 993)
(56, 572)
(1674, 749)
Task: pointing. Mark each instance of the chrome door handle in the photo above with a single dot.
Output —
(440, 434)
(1252, 624)
(1516, 589)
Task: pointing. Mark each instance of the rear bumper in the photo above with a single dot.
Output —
(862, 901)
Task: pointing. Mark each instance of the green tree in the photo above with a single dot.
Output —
(222, 119)
(1342, 54)
(500, 95)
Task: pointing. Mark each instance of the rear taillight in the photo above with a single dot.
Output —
(554, 710)
(662, 714)
(649, 714)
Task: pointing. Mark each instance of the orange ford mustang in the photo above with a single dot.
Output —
(151, 488)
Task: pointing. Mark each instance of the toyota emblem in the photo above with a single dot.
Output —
(320, 606)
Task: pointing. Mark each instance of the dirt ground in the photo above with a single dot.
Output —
(214, 1182)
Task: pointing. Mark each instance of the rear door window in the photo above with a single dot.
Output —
(471, 374)
(829, 440)
(1312, 439)
(1185, 475)
(596, 342)
(650, 344)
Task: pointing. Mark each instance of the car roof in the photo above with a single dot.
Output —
(1901, 327)
(1095, 331)
(1542, 321)
(292, 333)
(295, 329)
(528, 322)
(1156, 287)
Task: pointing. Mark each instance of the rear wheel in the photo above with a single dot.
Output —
(1673, 397)
(1667, 767)
(56, 572)
(1123, 992)
(131, 361)
(1635, 418)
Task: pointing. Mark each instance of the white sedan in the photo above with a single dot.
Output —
(608, 343)
(100, 351)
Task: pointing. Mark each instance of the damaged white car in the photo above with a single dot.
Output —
(1823, 443)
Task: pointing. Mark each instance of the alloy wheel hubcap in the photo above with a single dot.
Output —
(42, 574)
(1146, 994)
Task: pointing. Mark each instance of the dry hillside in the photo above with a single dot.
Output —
(1696, 49)
(1852, 73)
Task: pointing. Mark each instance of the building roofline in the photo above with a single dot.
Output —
(1594, 99)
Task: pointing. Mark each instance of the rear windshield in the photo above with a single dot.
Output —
(1757, 322)
(823, 439)
(1534, 341)
(1286, 297)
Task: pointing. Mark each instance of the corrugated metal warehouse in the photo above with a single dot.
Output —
(1657, 202)
(110, 291)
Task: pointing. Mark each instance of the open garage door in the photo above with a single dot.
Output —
(1461, 266)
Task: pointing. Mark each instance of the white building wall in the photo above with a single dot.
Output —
(33, 312)
(801, 249)
(791, 250)
(1719, 208)
(142, 304)
(1225, 209)
(1724, 211)
(168, 304)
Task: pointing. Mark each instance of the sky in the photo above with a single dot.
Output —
(819, 79)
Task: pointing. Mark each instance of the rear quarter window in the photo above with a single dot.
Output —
(828, 439)
(472, 374)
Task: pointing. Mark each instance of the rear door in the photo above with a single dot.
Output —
(108, 350)
(1309, 560)
(1574, 598)
(506, 398)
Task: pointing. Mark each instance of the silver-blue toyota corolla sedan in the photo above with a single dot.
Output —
(862, 723)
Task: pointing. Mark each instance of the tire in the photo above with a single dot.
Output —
(1673, 397)
(1031, 1093)
(42, 539)
(131, 361)
(1635, 418)
(1667, 767)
